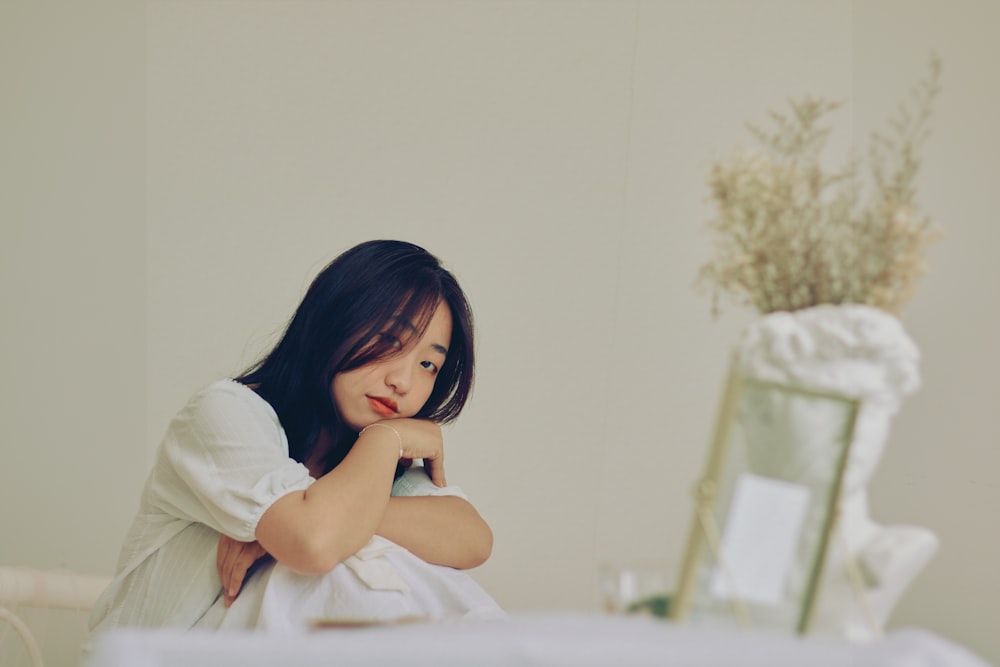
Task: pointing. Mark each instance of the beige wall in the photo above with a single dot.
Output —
(940, 468)
(180, 171)
(72, 279)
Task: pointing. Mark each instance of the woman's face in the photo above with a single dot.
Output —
(398, 386)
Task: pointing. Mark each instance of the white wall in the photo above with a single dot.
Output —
(554, 155)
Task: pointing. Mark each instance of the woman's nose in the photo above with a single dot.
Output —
(399, 376)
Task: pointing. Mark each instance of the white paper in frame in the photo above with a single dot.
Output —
(766, 506)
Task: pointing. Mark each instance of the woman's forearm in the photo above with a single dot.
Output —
(311, 531)
(444, 530)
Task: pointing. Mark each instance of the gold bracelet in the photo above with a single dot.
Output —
(394, 431)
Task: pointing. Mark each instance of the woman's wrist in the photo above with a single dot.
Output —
(384, 427)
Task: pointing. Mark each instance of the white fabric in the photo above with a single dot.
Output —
(278, 599)
(851, 349)
(862, 352)
(539, 640)
(370, 566)
(381, 582)
(223, 461)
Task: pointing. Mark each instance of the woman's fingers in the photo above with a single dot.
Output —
(421, 439)
(417, 439)
(221, 553)
(435, 469)
(233, 559)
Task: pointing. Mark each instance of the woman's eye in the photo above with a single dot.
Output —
(429, 365)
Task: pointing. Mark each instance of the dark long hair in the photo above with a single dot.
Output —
(375, 287)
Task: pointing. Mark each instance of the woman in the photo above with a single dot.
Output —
(273, 500)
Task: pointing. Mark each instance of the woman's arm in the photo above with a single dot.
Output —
(312, 530)
(444, 530)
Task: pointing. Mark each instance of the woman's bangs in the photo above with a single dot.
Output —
(408, 319)
(416, 313)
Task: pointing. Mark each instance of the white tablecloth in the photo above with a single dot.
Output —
(538, 640)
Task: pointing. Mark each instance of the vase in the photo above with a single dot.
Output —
(863, 353)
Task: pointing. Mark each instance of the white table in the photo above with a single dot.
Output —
(538, 640)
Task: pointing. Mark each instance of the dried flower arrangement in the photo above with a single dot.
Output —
(788, 235)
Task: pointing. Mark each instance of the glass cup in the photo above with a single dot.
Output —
(636, 588)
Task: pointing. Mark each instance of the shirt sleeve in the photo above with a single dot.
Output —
(225, 460)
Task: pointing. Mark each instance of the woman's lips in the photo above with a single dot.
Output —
(383, 406)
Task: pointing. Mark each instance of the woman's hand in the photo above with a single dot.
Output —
(232, 560)
(313, 530)
(418, 439)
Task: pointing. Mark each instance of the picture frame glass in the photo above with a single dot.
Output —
(765, 508)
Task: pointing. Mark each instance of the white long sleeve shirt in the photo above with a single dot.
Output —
(222, 463)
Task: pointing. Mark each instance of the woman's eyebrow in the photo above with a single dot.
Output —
(410, 328)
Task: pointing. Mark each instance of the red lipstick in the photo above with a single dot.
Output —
(383, 406)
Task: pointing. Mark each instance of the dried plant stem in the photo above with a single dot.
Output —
(788, 235)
